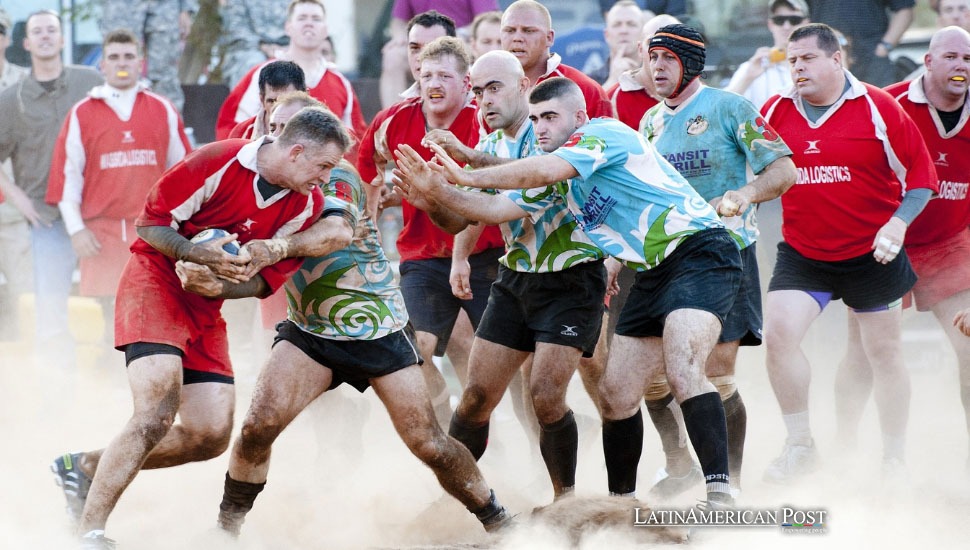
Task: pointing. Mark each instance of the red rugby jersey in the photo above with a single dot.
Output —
(854, 165)
(597, 104)
(949, 212)
(244, 129)
(107, 164)
(333, 89)
(404, 122)
(215, 186)
(629, 100)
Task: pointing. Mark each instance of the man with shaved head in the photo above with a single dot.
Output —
(533, 306)
(527, 33)
(938, 241)
(634, 93)
(635, 206)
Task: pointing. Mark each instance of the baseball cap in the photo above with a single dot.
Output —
(799, 5)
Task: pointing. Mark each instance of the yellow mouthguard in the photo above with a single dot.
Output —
(122, 74)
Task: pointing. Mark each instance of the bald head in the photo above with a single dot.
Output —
(947, 68)
(498, 62)
(529, 6)
(655, 22)
(947, 36)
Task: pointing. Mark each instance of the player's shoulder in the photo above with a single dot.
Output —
(898, 89)
(577, 76)
(211, 157)
(774, 102)
(403, 106)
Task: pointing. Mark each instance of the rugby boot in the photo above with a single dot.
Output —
(74, 482)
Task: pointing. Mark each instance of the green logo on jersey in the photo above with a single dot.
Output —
(353, 308)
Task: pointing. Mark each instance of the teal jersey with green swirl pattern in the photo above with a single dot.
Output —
(549, 239)
(718, 141)
(349, 294)
(630, 201)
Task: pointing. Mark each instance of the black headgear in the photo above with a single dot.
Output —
(687, 45)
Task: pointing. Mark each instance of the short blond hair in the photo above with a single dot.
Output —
(300, 98)
(447, 45)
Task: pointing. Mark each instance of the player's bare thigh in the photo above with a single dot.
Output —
(288, 382)
(632, 364)
(490, 369)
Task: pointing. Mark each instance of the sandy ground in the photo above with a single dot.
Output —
(333, 485)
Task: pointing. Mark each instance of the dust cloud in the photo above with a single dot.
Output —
(341, 479)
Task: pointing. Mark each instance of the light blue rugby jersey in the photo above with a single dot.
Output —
(551, 239)
(717, 140)
(630, 201)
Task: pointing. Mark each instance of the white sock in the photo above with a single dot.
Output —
(894, 446)
(799, 432)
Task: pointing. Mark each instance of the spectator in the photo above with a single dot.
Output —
(393, 74)
(306, 25)
(160, 25)
(670, 7)
(486, 33)
(624, 23)
(252, 30)
(14, 233)
(32, 112)
(767, 72)
(874, 27)
(421, 29)
(952, 13)
(634, 92)
(112, 148)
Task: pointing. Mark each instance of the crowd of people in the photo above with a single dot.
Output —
(527, 192)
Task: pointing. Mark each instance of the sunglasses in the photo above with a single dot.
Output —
(3, 30)
(791, 19)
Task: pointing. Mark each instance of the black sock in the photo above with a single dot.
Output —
(736, 417)
(558, 443)
(471, 435)
(237, 500)
(622, 445)
(490, 511)
(666, 424)
(707, 429)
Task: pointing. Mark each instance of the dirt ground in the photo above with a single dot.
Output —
(336, 485)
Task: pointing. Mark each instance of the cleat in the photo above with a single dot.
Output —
(501, 521)
(794, 461)
(95, 540)
(670, 486)
(74, 482)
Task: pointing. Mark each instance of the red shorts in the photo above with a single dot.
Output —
(100, 274)
(152, 307)
(943, 269)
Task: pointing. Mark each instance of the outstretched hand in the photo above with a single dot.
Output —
(448, 168)
(447, 141)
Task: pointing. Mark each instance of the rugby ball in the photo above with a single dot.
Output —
(212, 234)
